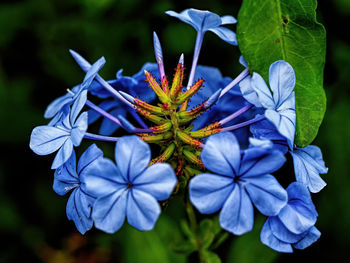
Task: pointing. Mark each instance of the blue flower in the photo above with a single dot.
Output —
(308, 165)
(294, 225)
(67, 178)
(66, 133)
(64, 102)
(280, 106)
(238, 180)
(135, 86)
(130, 189)
(203, 21)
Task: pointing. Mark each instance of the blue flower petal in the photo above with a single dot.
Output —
(132, 156)
(142, 210)
(157, 180)
(55, 106)
(237, 214)
(282, 81)
(248, 92)
(208, 192)
(282, 233)
(221, 154)
(262, 90)
(225, 34)
(66, 177)
(308, 165)
(110, 210)
(268, 239)
(90, 155)
(260, 161)
(79, 129)
(77, 106)
(312, 236)
(227, 20)
(102, 177)
(79, 210)
(299, 214)
(92, 72)
(46, 139)
(63, 154)
(266, 193)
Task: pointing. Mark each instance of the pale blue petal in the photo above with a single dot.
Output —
(46, 139)
(132, 156)
(208, 192)
(225, 34)
(66, 177)
(77, 106)
(243, 62)
(55, 106)
(157, 180)
(203, 19)
(282, 81)
(284, 122)
(227, 20)
(268, 239)
(79, 129)
(183, 16)
(248, 92)
(254, 142)
(92, 72)
(308, 164)
(221, 154)
(142, 210)
(260, 161)
(102, 177)
(282, 233)
(237, 214)
(263, 91)
(312, 236)
(63, 154)
(297, 218)
(298, 194)
(79, 210)
(266, 193)
(110, 210)
(90, 155)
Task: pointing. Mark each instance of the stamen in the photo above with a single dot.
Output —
(176, 86)
(235, 114)
(162, 128)
(153, 118)
(85, 66)
(243, 124)
(234, 82)
(155, 138)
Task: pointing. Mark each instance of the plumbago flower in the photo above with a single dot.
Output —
(239, 179)
(130, 189)
(218, 141)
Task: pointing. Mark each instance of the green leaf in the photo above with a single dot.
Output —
(271, 30)
(209, 257)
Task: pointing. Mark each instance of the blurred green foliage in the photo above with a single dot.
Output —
(35, 68)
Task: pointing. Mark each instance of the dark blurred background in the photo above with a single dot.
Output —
(35, 68)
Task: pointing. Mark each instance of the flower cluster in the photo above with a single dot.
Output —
(219, 141)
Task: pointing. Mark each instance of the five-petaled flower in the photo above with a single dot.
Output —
(129, 189)
(239, 179)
